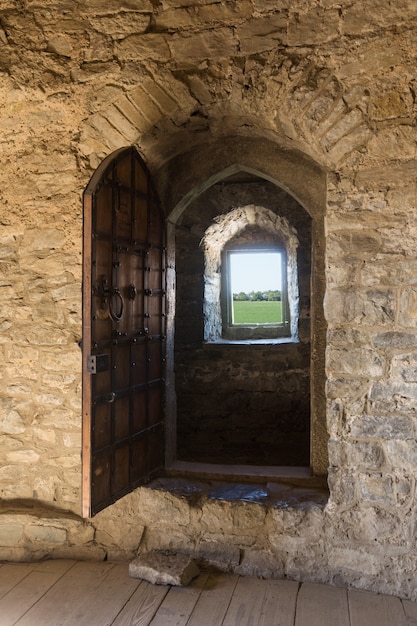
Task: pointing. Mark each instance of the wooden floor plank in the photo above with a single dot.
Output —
(11, 574)
(179, 603)
(367, 609)
(246, 604)
(142, 605)
(214, 600)
(410, 610)
(279, 603)
(60, 603)
(69, 593)
(102, 604)
(318, 605)
(58, 566)
(15, 604)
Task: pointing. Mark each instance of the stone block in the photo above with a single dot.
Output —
(112, 138)
(41, 241)
(313, 27)
(355, 361)
(404, 366)
(96, 7)
(23, 456)
(257, 563)
(408, 308)
(351, 244)
(265, 33)
(378, 427)
(157, 507)
(11, 423)
(390, 142)
(191, 50)
(344, 126)
(121, 24)
(116, 532)
(342, 486)
(164, 568)
(368, 15)
(391, 397)
(346, 558)
(10, 534)
(150, 46)
(368, 308)
(350, 142)
(365, 454)
(376, 487)
(46, 534)
(133, 114)
(121, 123)
(218, 554)
(198, 17)
(397, 340)
(389, 176)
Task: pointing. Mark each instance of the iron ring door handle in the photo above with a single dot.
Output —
(115, 315)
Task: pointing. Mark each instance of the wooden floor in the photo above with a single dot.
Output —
(54, 593)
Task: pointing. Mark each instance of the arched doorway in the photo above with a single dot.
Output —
(180, 181)
(123, 427)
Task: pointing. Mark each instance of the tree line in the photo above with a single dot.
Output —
(272, 295)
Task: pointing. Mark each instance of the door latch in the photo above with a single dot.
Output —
(111, 299)
(97, 363)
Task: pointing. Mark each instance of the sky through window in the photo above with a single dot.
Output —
(255, 271)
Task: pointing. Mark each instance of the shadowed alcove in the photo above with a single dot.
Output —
(240, 402)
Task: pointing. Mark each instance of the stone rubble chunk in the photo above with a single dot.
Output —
(164, 568)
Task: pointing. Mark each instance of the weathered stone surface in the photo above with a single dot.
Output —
(191, 50)
(376, 487)
(369, 308)
(10, 534)
(162, 568)
(325, 83)
(364, 454)
(262, 34)
(223, 556)
(264, 564)
(312, 27)
(390, 427)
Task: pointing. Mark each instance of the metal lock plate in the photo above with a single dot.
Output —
(97, 363)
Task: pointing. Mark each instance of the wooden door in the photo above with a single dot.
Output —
(123, 331)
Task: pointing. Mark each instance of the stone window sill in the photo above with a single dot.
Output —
(280, 487)
(251, 342)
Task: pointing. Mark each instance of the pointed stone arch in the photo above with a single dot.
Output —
(184, 178)
(315, 112)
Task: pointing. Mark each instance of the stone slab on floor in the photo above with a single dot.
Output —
(164, 568)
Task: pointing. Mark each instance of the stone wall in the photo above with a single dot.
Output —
(331, 82)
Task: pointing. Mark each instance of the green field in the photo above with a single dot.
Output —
(257, 312)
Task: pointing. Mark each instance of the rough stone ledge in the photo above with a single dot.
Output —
(164, 568)
(271, 494)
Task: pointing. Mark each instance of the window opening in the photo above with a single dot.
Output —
(256, 292)
(255, 280)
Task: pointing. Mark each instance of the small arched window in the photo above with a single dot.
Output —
(250, 278)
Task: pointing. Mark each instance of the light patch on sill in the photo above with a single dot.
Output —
(252, 342)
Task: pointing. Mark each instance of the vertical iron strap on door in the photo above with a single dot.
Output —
(123, 331)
